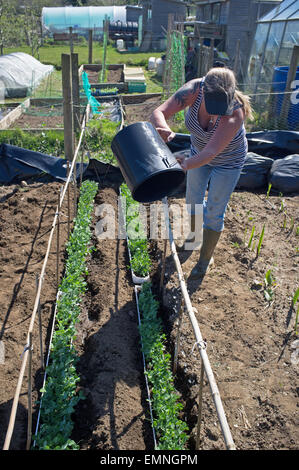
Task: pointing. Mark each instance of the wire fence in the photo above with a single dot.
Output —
(272, 109)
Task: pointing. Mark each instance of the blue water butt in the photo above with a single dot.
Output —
(279, 84)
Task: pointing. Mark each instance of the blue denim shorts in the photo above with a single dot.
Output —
(222, 182)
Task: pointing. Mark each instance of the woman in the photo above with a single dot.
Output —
(215, 119)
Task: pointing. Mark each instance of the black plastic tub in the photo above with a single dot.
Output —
(147, 164)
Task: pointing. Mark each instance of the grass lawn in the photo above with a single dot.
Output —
(51, 86)
(51, 54)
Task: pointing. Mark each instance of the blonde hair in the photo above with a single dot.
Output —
(222, 78)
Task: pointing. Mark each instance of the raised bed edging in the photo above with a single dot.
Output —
(11, 117)
(121, 86)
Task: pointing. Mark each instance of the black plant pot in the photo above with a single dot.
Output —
(147, 164)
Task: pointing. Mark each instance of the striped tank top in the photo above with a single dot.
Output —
(233, 156)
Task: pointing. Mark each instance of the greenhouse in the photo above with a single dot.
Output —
(277, 34)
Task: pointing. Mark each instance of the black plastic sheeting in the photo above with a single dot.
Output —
(254, 174)
(17, 164)
(272, 144)
(284, 174)
(272, 158)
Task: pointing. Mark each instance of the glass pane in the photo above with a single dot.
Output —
(291, 12)
(216, 13)
(271, 50)
(290, 39)
(207, 13)
(272, 14)
(274, 40)
(257, 51)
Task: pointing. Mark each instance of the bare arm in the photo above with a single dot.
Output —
(184, 97)
(225, 132)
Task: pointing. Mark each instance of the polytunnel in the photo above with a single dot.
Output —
(60, 19)
(20, 74)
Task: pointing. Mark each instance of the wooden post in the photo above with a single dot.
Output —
(177, 342)
(67, 107)
(57, 242)
(168, 64)
(68, 203)
(237, 58)
(211, 57)
(199, 58)
(163, 265)
(75, 91)
(287, 93)
(90, 46)
(71, 40)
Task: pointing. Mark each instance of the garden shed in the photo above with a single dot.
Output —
(230, 21)
(155, 21)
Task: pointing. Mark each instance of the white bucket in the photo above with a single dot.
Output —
(151, 63)
(119, 44)
(160, 67)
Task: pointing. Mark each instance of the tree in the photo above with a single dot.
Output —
(32, 23)
(9, 23)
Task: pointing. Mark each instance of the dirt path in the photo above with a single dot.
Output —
(114, 414)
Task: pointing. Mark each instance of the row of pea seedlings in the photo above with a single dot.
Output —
(140, 261)
(170, 431)
(59, 394)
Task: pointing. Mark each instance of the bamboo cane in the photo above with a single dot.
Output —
(163, 265)
(199, 406)
(177, 343)
(37, 300)
(199, 340)
(29, 423)
(40, 330)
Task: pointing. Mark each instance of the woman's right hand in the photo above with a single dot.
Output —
(181, 159)
(166, 134)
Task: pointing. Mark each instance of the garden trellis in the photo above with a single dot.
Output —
(174, 69)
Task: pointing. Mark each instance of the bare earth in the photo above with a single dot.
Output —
(251, 343)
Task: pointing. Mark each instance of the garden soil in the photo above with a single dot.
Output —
(251, 343)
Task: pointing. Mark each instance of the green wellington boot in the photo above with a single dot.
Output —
(210, 240)
(193, 240)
